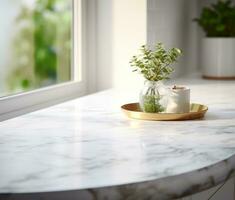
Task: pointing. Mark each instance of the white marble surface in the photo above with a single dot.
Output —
(89, 144)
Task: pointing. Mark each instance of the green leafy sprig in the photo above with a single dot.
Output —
(155, 65)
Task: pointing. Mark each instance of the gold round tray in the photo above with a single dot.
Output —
(132, 110)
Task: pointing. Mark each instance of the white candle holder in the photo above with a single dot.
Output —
(179, 100)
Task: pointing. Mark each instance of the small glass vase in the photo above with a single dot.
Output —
(152, 97)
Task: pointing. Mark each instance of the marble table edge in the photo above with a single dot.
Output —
(171, 187)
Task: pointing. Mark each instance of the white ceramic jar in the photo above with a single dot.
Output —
(178, 100)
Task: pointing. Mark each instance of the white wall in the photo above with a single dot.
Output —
(121, 30)
(129, 33)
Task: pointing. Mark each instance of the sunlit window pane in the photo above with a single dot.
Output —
(35, 44)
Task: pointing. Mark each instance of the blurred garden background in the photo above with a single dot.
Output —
(35, 44)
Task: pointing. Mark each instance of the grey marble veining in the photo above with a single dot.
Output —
(89, 147)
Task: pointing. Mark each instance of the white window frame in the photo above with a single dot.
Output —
(18, 104)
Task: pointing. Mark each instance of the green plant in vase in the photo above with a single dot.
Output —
(155, 65)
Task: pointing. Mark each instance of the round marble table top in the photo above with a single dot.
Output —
(88, 145)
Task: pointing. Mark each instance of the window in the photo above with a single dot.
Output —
(40, 52)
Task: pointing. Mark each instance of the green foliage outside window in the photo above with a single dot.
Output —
(42, 45)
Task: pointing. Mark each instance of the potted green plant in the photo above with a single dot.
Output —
(155, 66)
(218, 47)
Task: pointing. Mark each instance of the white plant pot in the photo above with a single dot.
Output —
(218, 58)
